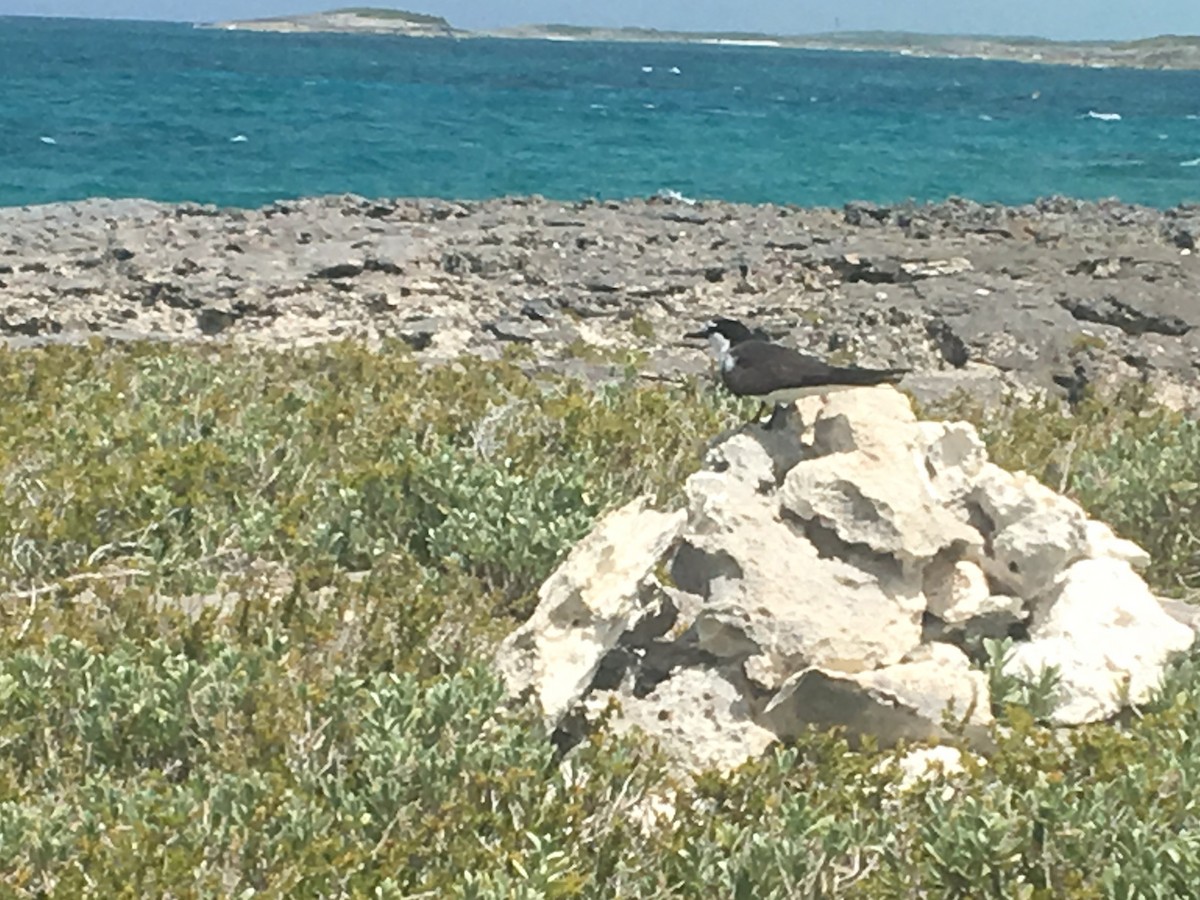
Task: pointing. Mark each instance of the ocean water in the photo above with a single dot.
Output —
(170, 112)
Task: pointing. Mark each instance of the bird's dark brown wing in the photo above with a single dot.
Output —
(763, 367)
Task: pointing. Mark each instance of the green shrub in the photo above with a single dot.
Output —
(245, 598)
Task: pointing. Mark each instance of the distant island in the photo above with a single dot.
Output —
(1163, 52)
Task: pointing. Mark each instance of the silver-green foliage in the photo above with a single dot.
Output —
(354, 529)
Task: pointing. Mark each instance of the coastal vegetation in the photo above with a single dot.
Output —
(402, 15)
(247, 600)
(1162, 51)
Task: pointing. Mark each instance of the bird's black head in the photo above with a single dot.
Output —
(730, 329)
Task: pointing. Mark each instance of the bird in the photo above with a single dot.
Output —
(752, 366)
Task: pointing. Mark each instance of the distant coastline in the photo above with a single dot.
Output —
(1163, 52)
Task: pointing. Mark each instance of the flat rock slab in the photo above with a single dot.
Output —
(972, 294)
(908, 702)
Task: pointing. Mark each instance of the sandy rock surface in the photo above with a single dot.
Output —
(1057, 294)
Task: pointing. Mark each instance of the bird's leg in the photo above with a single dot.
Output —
(778, 416)
(762, 407)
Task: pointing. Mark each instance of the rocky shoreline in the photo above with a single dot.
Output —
(1161, 52)
(1054, 294)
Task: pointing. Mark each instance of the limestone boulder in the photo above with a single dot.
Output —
(909, 701)
(959, 595)
(1102, 543)
(771, 594)
(699, 717)
(592, 599)
(871, 485)
(954, 457)
(1185, 613)
(924, 767)
(1106, 634)
(1033, 533)
(760, 458)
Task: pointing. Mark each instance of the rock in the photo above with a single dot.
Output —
(1107, 634)
(904, 702)
(767, 586)
(1034, 534)
(935, 268)
(1110, 310)
(954, 458)
(760, 458)
(926, 765)
(861, 213)
(698, 717)
(592, 599)
(959, 595)
(931, 763)
(872, 486)
(1102, 543)
(339, 270)
(1185, 613)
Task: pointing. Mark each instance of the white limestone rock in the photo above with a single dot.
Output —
(871, 486)
(929, 765)
(1109, 637)
(1035, 533)
(768, 587)
(954, 458)
(585, 606)
(903, 702)
(1103, 543)
(758, 457)
(958, 593)
(698, 717)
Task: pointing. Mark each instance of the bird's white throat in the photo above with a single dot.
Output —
(719, 344)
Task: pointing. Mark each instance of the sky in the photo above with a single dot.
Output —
(1061, 19)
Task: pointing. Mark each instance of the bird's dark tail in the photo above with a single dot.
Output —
(866, 377)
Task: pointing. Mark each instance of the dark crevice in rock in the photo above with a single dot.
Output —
(983, 523)
(694, 570)
(385, 266)
(170, 294)
(1110, 311)
(417, 340)
(339, 270)
(830, 545)
(952, 347)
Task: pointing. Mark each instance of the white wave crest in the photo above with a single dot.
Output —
(1191, 163)
(669, 194)
(1104, 116)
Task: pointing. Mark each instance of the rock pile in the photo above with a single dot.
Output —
(840, 572)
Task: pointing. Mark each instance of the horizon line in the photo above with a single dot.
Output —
(646, 28)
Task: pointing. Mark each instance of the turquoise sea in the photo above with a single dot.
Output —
(171, 112)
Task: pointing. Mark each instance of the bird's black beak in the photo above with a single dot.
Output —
(702, 333)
